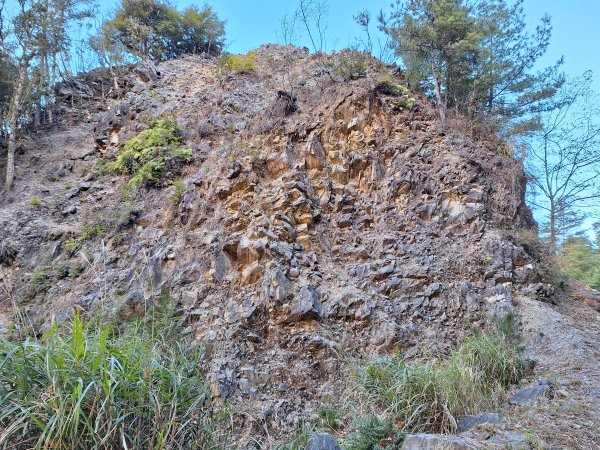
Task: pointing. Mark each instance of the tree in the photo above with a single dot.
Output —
(18, 41)
(152, 29)
(438, 42)
(475, 57)
(312, 15)
(563, 155)
(507, 91)
(580, 260)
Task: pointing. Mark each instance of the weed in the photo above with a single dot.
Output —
(329, 416)
(429, 396)
(35, 201)
(298, 440)
(351, 64)
(72, 245)
(238, 63)
(93, 231)
(39, 281)
(94, 386)
(178, 189)
(373, 433)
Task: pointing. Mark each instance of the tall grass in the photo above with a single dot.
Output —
(430, 396)
(96, 387)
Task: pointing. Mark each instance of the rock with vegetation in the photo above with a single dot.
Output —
(289, 236)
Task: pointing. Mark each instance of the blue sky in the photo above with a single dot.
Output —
(576, 33)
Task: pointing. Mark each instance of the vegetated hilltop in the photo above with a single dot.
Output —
(298, 209)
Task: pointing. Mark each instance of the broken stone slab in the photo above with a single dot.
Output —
(510, 441)
(436, 442)
(468, 422)
(530, 396)
(322, 441)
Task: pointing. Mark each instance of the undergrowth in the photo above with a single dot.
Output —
(390, 397)
(154, 156)
(431, 396)
(238, 63)
(94, 386)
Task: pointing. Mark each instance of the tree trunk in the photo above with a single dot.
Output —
(438, 94)
(552, 231)
(13, 115)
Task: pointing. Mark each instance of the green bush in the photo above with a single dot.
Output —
(238, 63)
(373, 433)
(178, 189)
(35, 201)
(97, 387)
(351, 64)
(154, 156)
(580, 261)
(385, 84)
(430, 396)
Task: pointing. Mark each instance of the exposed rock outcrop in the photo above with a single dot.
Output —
(314, 224)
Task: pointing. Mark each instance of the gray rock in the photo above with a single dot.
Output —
(529, 396)
(437, 442)
(468, 422)
(306, 305)
(322, 441)
(510, 441)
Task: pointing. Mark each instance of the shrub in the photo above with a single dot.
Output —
(177, 191)
(155, 155)
(351, 64)
(373, 433)
(93, 231)
(429, 396)
(238, 63)
(385, 84)
(97, 387)
(35, 201)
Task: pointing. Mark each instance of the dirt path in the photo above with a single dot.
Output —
(564, 340)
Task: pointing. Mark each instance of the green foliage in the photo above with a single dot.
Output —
(154, 29)
(154, 156)
(329, 416)
(429, 396)
(177, 191)
(238, 63)
(39, 281)
(298, 440)
(351, 64)
(373, 434)
(72, 245)
(94, 386)
(580, 260)
(385, 84)
(93, 231)
(35, 201)
(475, 57)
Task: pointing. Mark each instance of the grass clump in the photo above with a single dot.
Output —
(430, 396)
(373, 434)
(154, 156)
(97, 387)
(238, 63)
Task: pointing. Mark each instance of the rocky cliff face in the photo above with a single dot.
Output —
(332, 220)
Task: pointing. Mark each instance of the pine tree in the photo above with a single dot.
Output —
(475, 58)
